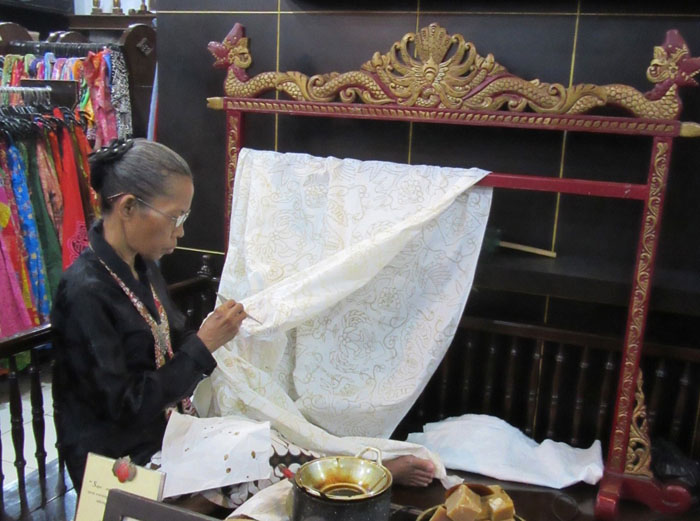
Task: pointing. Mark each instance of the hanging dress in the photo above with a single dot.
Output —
(121, 99)
(105, 117)
(37, 270)
(14, 317)
(50, 247)
(51, 187)
(82, 150)
(74, 230)
(12, 234)
(87, 194)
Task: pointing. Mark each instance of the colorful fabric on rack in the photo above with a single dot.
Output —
(18, 74)
(105, 117)
(84, 101)
(29, 60)
(120, 95)
(55, 152)
(51, 187)
(39, 70)
(58, 68)
(107, 57)
(50, 247)
(14, 317)
(85, 106)
(11, 233)
(74, 230)
(8, 69)
(49, 60)
(70, 158)
(33, 66)
(37, 270)
(82, 150)
(103, 81)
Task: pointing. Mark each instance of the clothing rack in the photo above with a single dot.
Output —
(45, 193)
(30, 95)
(59, 49)
(137, 43)
(402, 85)
(64, 93)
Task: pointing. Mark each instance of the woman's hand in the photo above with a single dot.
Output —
(222, 325)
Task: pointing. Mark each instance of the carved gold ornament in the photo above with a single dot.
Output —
(433, 69)
(619, 457)
(639, 446)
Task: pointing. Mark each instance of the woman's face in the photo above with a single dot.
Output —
(153, 232)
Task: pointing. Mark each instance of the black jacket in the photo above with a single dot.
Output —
(109, 397)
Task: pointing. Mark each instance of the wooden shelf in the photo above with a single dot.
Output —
(586, 280)
(108, 22)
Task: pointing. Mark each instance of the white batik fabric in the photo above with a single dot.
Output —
(359, 272)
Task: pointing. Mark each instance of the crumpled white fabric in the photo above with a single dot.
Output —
(270, 504)
(490, 446)
(359, 271)
(205, 453)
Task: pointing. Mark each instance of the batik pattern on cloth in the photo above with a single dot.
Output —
(284, 455)
(12, 233)
(51, 188)
(30, 234)
(97, 75)
(360, 272)
(120, 95)
(75, 238)
(48, 240)
(14, 317)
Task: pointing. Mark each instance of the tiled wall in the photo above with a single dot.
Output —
(568, 42)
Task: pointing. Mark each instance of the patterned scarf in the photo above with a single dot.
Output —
(160, 331)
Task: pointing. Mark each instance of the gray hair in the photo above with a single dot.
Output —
(142, 169)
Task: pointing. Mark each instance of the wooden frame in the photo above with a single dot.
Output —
(433, 77)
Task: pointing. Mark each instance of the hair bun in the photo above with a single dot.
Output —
(115, 150)
(101, 158)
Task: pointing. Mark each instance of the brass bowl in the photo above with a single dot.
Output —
(344, 477)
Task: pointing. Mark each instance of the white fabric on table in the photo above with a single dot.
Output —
(359, 271)
(273, 503)
(206, 453)
(490, 446)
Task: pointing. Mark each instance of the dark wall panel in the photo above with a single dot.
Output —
(571, 41)
(186, 80)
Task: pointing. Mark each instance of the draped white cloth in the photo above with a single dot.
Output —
(359, 272)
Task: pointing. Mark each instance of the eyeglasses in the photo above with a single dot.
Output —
(177, 221)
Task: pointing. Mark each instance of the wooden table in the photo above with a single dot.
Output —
(532, 503)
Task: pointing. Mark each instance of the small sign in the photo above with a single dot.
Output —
(103, 474)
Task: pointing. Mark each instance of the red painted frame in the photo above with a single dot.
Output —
(615, 484)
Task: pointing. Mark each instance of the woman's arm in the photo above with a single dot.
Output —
(109, 361)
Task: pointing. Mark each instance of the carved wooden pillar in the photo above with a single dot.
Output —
(234, 138)
(627, 472)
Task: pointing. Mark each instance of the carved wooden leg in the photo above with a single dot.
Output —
(627, 472)
(18, 433)
(37, 401)
(638, 482)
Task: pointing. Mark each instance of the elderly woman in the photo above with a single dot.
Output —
(124, 355)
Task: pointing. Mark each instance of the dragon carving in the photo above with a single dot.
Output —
(421, 71)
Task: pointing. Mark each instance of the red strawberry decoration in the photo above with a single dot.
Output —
(124, 469)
